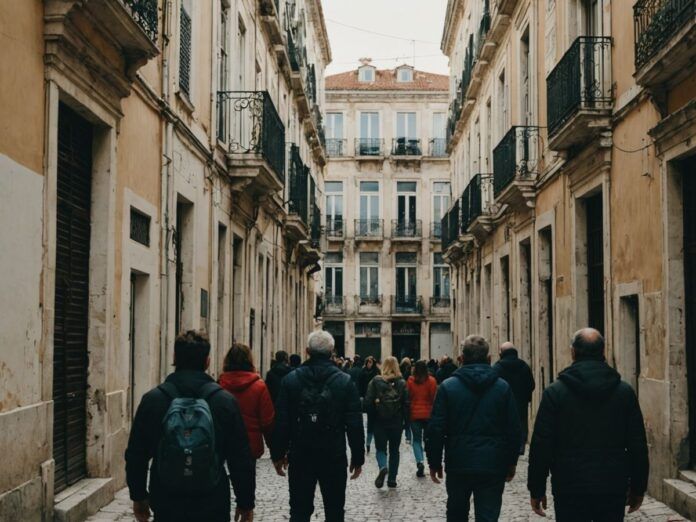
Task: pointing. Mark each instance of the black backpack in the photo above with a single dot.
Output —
(187, 456)
(318, 416)
(388, 402)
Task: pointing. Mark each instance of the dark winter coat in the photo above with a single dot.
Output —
(355, 375)
(365, 378)
(376, 387)
(232, 445)
(286, 436)
(273, 378)
(519, 376)
(475, 421)
(589, 434)
(445, 372)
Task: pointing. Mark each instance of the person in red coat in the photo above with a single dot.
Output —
(241, 380)
(421, 390)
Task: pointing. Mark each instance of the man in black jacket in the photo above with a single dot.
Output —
(518, 375)
(191, 359)
(447, 368)
(475, 421)
(589, 434)
(355, 371)
(317, 407)
(279, 370)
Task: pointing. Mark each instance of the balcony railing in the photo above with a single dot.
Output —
(368, 146)
(516, 156)
(472, 200)
(484, 27)
(144, 12)
(655, 22)
(407, 304)
(368, 304)
(335, 147)
(314, 215)
(436, 230)
(406, 147)
(438, 303)
(438, 148)
(451, 225)
(249, 124)
(402, 229)
(580, 81)
(299, 181)
(334, 305)
(335, 229)
(369, 228)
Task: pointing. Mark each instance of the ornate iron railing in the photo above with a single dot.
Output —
(335, 228)
(451, 225)
(336, 147)
(407, 229)
(144, 12)
(438, 148)
(484, 27)
(299, 185)
(369, 228)
(406, 147)
(440, 302)
(367, 300)
(473, 200)
(581, 80)
(516, 156)
(368, 146)
(249, 123)
(407, 304)
(334, 304)
(436, 229)
(655, 22)
(314, 215)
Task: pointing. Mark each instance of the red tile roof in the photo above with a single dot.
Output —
(385, 80)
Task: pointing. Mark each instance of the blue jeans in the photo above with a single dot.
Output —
(407, 431)
(488, 496)
(417, 429)
(392, 437)
(370, 428)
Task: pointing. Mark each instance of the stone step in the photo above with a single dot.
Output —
(83, 499)
(688, 475)
(680, 495)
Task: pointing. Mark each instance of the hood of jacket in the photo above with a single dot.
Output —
(477, 377)
(238, 380)
(510, 359)
(590, 378)
(317, 370)
(280, 369)
(188, 382)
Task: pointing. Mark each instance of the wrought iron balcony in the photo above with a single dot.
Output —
(580, 92)
(368, 304)
(406, 304)
(334, 305)
(451, 225)
(298, 203)
(438, 148)
(406, 229)
(472, 202)
(144, 12)
(484, 27)
(335, 229)
(440, 304)
(660, 27)
(336, 147)
(369, 229)
(515, 162)
(436, 230)
(369, 147)
(254, 135)
(406, 147)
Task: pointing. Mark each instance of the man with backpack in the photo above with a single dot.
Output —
(475, 421)
(317, 407)
(188, 428)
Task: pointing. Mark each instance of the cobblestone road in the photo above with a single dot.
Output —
(414, 499)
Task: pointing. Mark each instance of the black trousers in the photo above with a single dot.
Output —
(303, 476)
(488, 497)
(589, 508)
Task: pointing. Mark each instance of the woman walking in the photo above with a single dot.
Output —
(387, 398)
(241, 380)
(406, 370)
(421, 392)
(369, 372)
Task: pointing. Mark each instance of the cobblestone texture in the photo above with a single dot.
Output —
(414, 500)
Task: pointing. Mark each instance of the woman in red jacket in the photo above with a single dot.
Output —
(421, 390)
(241, 380)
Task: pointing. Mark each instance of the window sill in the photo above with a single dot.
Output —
(184, 98)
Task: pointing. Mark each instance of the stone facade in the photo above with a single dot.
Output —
(386, 289)
(571, 137)
(160, 165)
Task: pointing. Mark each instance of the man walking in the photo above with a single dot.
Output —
(475, 421)
(447, 368)
(589, 434)
(518, 375)
(279, 370)
(317, 407)
(189, 427)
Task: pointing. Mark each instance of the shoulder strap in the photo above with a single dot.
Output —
(169, 390)
(208, 390)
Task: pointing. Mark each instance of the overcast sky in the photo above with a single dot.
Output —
(410, 19)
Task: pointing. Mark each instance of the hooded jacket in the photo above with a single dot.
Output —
(232, 446)
(519, 376)
(286, 435)
(445, 372)
(273, 378)
(422, 397)
(475, 421)
(255, 403)
(589, 434)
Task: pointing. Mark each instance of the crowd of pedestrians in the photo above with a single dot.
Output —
(466, 421)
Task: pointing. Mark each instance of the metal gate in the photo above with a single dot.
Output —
(72, 297)
(689, 198)
(595, 262)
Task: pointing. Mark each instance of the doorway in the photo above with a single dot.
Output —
(689, 201)
(406, 340)
(441, 341)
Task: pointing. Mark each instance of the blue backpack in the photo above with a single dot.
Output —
(187, 456)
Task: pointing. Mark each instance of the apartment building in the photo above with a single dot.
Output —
(386, 286)
(571, 134)
(161, 164)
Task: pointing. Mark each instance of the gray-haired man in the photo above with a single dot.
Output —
(317, 407)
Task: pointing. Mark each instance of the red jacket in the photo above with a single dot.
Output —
(422, 396)
(255, 403)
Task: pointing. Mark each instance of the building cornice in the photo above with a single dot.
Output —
(453, 16)
(371, 95)
(316, 13)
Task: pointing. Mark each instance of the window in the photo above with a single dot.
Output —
(366, 74)
(441, 279)
(185, 53)
(406, 208)
(406, 125)
(369, 222)
(441, 203)
(333, 278)
(369, 277)
(503, 104)
(334, 208)
(334, 134)
(525, 78)
(223, 66)
(406, 267)
(369, 143)
(489, 136)
(404, 74)
(140, 227)
(241, 58)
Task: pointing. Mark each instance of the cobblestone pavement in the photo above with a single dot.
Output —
(414, 500)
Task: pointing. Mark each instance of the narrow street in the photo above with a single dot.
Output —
(414, 500)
